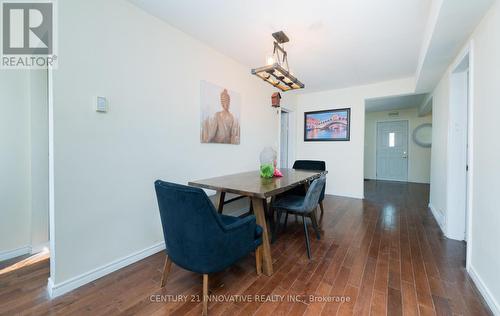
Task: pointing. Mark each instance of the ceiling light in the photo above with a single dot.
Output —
(277, 71)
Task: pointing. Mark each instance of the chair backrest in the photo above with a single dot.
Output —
(312, 165)
(190, 222)
(313, 194)
(309, 165)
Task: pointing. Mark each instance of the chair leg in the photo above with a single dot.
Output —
(321, 207)
(308, 246)
(269, 212)
(166, 270)
(205, 294)
(220, 197)
(258, 260)
(286, 220)
(276, 226)
(315, 225)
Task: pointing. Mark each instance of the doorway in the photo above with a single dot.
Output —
(284, 138)
(392, 150)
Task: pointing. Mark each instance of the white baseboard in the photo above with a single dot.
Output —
(485, 292)
(39, 248)
(351, 196)
(9, 254)
(84, 278)
(50, 287)
(354, 196)
(439, 218)
(404, 181)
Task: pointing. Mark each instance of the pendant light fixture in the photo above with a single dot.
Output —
(277, 71)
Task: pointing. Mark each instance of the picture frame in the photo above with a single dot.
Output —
(327, 125)
(220, 110)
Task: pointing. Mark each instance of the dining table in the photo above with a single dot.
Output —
(259, 190)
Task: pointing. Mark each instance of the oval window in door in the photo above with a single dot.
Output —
(422, 135)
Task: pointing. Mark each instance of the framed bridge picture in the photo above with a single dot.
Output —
(327, 125)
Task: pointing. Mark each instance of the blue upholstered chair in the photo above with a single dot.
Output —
(199, 239)
(304, 206)
(310, 165)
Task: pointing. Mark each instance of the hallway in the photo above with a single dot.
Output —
(385, 255)
(430, 265)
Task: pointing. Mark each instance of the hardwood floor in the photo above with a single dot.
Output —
(385, 254)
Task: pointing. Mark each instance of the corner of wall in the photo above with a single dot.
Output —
(58, 289)
(440, 218)
(492, 303)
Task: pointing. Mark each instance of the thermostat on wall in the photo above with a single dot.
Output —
(102, 104)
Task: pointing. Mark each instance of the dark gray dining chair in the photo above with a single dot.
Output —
(304, 206)
(316, 165)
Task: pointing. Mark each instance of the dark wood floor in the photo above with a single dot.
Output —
(385, 253)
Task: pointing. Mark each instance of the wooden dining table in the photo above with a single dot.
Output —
(258, 189)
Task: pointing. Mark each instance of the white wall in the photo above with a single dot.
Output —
(456, 183)
(344, 160)
(23, 162)
(439, 158)
(105, 164)
(14, 163)
(39, 160)
(484, 257)
(419, 158)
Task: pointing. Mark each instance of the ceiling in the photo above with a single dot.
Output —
(394, 102)
(449, 27)
(333, 43)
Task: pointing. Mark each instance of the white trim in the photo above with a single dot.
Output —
(52, 221)
(50, 287)
(9, 254)
(440, 219)
(470, 154)
(390, 180)
(375, 179)
(350, 196)
(485, 292)
(84, 278)
(40, 247)
(291, 135)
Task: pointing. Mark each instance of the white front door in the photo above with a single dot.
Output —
(392, 150)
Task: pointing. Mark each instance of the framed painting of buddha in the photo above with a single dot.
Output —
(220, 114)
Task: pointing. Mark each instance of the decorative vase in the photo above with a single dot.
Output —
(267, 162)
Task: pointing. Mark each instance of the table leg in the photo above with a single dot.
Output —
(219, 201)
(258, 207)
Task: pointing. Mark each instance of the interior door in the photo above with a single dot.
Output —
(284, 140)
(392, 150)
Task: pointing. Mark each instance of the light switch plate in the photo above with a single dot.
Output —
(101, 104)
